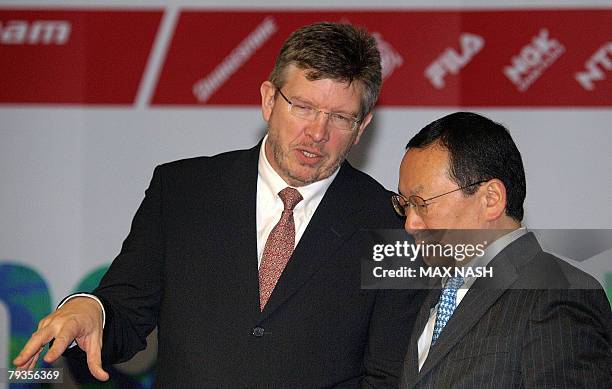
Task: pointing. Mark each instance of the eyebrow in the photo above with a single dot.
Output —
(415, 191)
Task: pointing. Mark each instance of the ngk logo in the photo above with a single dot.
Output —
(533, 60)
(450, 61)
(38, 32)
(602, 57)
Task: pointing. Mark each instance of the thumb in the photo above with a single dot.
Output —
(94, 359)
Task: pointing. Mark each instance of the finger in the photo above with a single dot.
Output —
(25, 365)
(45, 321)
(33, 346)
(30, 363)
(60, 343)
(94, 359)
(34, 359)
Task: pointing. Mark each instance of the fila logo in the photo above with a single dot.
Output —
(602, 57)
(450, 61)
(533, 60)
(389, 57)
(38, 32)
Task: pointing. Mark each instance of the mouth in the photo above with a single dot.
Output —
(309, 156)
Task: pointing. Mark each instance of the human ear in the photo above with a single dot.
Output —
(268, 92)
(364, 123)
(494, 199)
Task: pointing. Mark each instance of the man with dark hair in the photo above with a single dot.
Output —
(248, 261)
(535, 321)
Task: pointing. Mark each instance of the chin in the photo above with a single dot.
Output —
(303, 174)
(304, 180)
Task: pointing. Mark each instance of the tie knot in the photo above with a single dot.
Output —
(454, 283)
(290, 197)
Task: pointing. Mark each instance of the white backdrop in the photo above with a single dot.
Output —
(72, 178)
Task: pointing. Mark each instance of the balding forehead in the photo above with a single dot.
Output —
(423, 169)
(411, 191)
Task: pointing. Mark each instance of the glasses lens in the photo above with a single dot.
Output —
(303, 112)
(399, 204)
(341, 122)
(419, 205)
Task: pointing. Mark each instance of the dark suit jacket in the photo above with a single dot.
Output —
(189, 266)
(538, 323)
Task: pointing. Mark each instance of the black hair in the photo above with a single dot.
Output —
(479, 150)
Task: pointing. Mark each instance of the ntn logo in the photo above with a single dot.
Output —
(602, 58)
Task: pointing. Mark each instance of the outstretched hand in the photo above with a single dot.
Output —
(78, 319)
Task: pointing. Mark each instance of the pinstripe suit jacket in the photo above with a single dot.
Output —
(538, 323)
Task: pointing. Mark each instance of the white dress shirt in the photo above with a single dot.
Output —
(269, 209)
(490, 252)
(270, 206)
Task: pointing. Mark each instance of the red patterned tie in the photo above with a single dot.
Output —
(279, 246)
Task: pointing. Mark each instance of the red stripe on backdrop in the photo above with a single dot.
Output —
(74, 57)
(542, 58)
(433, 58)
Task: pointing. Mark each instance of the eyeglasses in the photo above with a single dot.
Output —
(419, 204)
(336, 120)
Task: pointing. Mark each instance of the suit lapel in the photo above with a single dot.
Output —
(474, 305)
(480, 297)
(328, 229)
(411, 364)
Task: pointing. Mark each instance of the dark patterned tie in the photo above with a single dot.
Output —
(279, 246)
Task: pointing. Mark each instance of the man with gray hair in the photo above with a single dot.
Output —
(248, 261)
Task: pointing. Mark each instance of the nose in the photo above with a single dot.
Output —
(318, 130)
(413, 222)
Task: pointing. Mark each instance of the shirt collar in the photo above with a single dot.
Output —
(492, 250)
(501, 243)
(274, 183)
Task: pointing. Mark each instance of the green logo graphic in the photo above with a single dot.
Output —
(26, 295)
